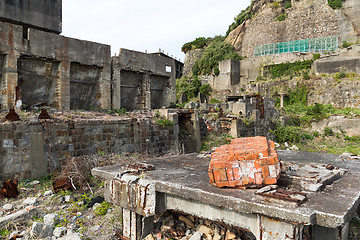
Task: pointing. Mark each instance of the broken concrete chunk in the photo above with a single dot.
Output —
(22, 214)
(196, 236)
(59, 232)
(230, 235)
(68, 198)
(205, 231)
(48, 193)
(34, 183)
(51, 219)
(31, 201)
(8, 207)
(41, 230)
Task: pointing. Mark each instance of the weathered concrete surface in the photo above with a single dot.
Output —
(23, 214)
(185, 178)
(337, 64)
(45, 68)
(143, 81)
(41, 14)
(349, 20)
(351, 126)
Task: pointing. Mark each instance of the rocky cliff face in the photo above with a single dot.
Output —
(303, 20)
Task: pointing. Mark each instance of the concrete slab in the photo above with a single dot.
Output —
(184, 180)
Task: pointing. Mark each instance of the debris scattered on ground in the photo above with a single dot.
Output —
(349, 157)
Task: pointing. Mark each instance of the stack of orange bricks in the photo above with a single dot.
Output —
(246, 162)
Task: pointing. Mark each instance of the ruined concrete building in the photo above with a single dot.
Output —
(144, 81)
(38, 67)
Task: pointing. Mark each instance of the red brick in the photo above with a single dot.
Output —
(270, 181)
(258, 178)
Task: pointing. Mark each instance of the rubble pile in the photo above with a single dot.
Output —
(174, 225)
(246, 162)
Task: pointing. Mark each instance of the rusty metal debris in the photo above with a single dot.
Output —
(44, 114)
(12, 115)
(137, 168)
(9, 189)
(62, 184)
(282, 194)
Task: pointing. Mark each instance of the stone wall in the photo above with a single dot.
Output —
(31, 150)
(45, 68)
(190, 58)
(325, 90)
(305, 19)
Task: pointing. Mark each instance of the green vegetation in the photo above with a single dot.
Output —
(162, 122)
(214, 140)
(198, 43)
(335, 4)
(103, 209)
(340, 75)
(216, 52)
(287, 4)
(275, 5)
(239, 19)
(346, 44)
(214, 100)
(206, 89)
(189, 87)
(281, 17)
(287, 69)
(120, 111)
(316, 56)
(4, 232)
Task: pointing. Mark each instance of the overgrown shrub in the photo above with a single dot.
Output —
(281, 17)
(287, 69)
(206, 89)
(188, 86)
(288, 134)
(275, 5)
(216, 52)
(335, 4)
(347, 44)
(340, 75)
(240, 18)
(198, 43)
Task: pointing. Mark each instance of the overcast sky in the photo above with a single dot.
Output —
(148, 24)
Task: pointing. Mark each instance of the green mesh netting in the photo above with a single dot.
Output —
(304, 46)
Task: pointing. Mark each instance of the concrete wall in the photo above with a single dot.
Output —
(347, 60)
(46, 67)
(40, 14)
(143, 81)
(31, 150)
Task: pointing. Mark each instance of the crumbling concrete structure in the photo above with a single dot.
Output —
(38, 14)
(181, 184)
(143, 81)
(41, 68)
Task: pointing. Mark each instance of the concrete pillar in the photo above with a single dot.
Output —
(196, 125)
(235, 128)
(63, 91)
(115, 86)
(282, 100)
(37, 154)
(10, 77)
(146, 91)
